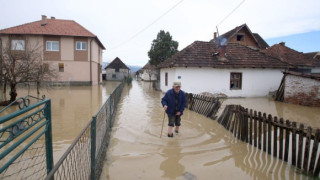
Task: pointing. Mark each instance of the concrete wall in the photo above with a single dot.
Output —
(255, 82)
(302, 90)
(119, 75)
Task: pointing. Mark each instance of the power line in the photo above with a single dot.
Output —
(148, 26)
(230, 13)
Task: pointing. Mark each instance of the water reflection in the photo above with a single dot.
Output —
(171, 167)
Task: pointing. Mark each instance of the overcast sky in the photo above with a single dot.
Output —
(117, 22)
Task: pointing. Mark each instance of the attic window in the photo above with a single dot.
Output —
(117, 69)
(240, 37)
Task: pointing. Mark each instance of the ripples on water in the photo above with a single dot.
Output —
(203, 149)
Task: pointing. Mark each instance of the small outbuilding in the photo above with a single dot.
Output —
(116, 70)
(299, 88)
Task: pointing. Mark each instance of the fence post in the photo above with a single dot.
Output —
(48, 136)
(294, 143)
(93, 148)
(110, 110)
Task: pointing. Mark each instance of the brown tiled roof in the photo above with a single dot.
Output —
(289, 55)
(116, 63)
(311, 76)
(204, 54)
(228, 35)
(56, 27)
(149, 66)
(262, 43)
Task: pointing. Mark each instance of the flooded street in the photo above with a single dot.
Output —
(202, 150)
(72, 108)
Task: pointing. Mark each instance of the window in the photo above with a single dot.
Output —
(61, 67)
(81, 45)
(17, 45)
(235, 80)
(166, 79)
(114, 76)
(117, 69)
(52, 46)
(240, 37)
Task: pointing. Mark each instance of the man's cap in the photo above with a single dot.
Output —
(177, 83)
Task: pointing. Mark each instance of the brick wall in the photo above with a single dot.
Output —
(302, 91)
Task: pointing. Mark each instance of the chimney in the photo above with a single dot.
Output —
(215, 35)
(222, 51)
(282, 43)
(44, 20)
(53, 17)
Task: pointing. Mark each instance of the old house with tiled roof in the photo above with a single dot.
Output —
(66, 46)
(149, 72)
(235, 70)
(116, 70)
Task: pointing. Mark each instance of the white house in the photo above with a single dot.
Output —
(149, 73)
(234, 70)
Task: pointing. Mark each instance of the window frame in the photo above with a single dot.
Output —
(81, 45)
(166, 79)
(18, 42)
(61, 67)
(233, 79)
(241, 37)
(51, 42)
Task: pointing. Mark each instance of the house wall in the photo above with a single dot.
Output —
(71, 71)
(145, 76)
(81, 55)
(67, 48)
(248, 40)
(255, 82)
(302, 90)
(119, 75)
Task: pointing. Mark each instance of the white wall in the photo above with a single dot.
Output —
(255, 82)
(315, 70)
(145, 76)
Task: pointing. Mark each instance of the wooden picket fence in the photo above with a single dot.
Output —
(282, 139)
(204, 105)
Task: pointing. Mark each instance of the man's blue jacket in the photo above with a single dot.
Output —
(169, 100)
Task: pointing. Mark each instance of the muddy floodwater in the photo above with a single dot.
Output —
(203, 149)
(72, 108)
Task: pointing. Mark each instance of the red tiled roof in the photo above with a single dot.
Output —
(204, 54)
(306, 75)
(290, 56)
(56, 27)
(116, 63)
(149, 66)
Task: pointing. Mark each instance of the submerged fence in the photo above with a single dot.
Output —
(84, 158)
(26, 140)
(204, 105)
(282, 139)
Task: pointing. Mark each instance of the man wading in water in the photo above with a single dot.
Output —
(174, 103)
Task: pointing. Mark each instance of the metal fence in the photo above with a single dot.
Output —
(25, 140)
(84, 158)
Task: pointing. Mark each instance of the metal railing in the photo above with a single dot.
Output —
(84, 158)
(26, 140)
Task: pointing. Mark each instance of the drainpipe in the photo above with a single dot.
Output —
(91, 62)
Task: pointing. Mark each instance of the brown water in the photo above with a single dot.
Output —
(72, 108)
(202, 150)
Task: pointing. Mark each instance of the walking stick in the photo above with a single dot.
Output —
(164, 115)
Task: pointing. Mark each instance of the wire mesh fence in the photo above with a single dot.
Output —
(84, 158)
(25, 140)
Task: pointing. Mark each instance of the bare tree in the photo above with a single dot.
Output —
(150, 72)
(24, 66)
